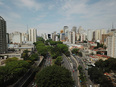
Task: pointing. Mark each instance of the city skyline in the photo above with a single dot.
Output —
(51, 15)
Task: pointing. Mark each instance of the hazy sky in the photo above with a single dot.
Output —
(51, 15)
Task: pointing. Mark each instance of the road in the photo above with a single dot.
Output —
(48, 61)
(81, 62)
(70, 64)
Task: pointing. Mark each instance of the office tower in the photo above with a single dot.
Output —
(3, 43)
(32, 35)
(66, 34)
(111, 45)
(80, 30)
(62, 37)
(89, 35)
(74, 29)
(65, 27)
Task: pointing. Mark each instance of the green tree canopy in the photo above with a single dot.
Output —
(53, 76)
(58, 60)
(11, 59)
(75, 51)
(12, 71)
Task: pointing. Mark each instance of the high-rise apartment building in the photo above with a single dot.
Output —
(98, 34)
(111, 45)
(3, 43)
(15, 37)
(74, 29)
(80, 30)
(90, 35)
(25, 37)
(71, 37)
(32, 35)
(54, 36)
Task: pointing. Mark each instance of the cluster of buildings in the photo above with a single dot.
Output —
(13, 44)
(79, 35)
(75, 36)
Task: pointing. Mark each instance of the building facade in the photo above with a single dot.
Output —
(3, 41)
(15, 37)
(89, 35)
(32, 35)
(111, 46)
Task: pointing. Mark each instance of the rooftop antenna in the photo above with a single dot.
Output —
(112, 26)
(27, 28)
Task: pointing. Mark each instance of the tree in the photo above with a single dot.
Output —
(11, 59)
(25, 55)
(53, 76)
(75, 51)
(59, 42)
(53, 43)
(40, 39)
(12, 71)
(62, 47)
(34, 57)
(95, 74)
(55, 52)
(42, 50)
(58, 60)
(67, 53)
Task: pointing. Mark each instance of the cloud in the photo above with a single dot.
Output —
(31, 4)
(1, 3)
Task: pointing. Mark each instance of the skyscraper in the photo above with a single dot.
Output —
(98, 34)
(111, 45)
(80, 30)
(3, 43)
(32, 35)
(90, 34)
(65, 27)
(74, 29)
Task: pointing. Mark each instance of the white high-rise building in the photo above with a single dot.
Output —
(90, 35)
(73, 37)
(44, 36)
(80, 30)
(82, 37)
(74, 29)
(111, 46)
(69, 36)
(25, 37)
(32, 35)
(15, 37)
(98, 34)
